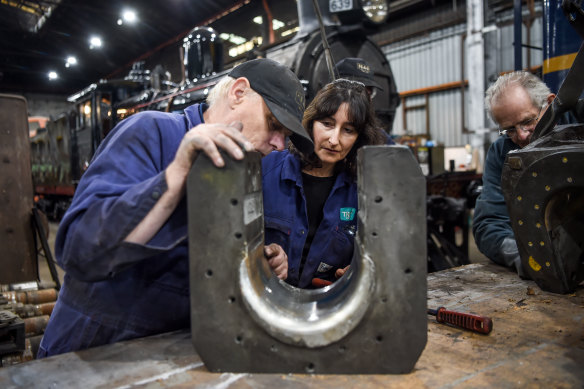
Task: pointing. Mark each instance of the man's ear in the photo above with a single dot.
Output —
(551, 98)
(238, 89)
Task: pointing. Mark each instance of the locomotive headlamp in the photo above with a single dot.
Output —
(355, 11)
(375, 10)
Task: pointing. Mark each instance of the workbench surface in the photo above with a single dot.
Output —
(537, 341)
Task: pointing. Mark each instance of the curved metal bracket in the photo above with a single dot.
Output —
(543, 185)
(372, 320)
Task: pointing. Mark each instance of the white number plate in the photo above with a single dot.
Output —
(340, 5)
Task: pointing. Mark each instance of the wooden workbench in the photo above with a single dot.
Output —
(537, 342)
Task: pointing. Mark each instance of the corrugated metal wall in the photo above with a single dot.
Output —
(435, 60)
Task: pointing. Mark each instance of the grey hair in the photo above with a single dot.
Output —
(221, 89)
(537, 90)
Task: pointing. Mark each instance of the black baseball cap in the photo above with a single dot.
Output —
(282, 93)
(356, 69)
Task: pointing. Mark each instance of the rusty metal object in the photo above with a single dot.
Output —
(18, 260)
(32, 296)
(543, 185)
(29, 310)
(11, 333)
(244, 319)
(35, 325)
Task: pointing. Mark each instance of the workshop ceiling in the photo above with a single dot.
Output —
(38, 36)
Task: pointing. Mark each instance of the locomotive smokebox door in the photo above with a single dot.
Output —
(370, 321)
(18, 261)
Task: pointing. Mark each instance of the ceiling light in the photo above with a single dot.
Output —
(235, 39)
(129, 16)
(95, 42)
(71, 61)
(276, 24)
(291, 31)
(52, 75)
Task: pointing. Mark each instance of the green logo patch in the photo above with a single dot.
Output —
(347, 214)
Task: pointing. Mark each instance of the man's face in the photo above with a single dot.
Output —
(260, 127)
(514, 112)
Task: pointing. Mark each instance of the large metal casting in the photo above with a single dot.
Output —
(18, 261)
(543, 185)
(372, 320)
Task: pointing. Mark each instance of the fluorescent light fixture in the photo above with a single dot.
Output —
(235, 39)
(276, 24)
(245, 47)
(290, 31)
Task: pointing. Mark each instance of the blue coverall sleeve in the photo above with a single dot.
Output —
(122, 184)
(491, 223)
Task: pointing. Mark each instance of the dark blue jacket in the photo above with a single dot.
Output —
(286, 220)
(114, 290)
(491, 222)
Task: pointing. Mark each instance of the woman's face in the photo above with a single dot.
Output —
(334, 137)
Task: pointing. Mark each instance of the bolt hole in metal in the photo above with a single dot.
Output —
(234, 202)
(378, 199)
(238, 235)
(231, 299)
(379, 338)
(310, 368)
(209, 273)
(408, 270)
(238, 339)
(307, 317)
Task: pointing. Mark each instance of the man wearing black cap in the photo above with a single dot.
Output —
(123, 241)
(357, 69)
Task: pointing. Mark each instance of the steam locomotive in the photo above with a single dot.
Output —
(62, 152)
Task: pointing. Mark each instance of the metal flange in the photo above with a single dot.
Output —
(543, 186)
(371, 321)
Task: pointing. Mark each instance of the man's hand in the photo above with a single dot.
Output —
(277, 259)
(207, 138)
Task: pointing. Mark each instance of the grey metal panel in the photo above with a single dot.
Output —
(243, 319)
(18, 259)
(505, 42)
(435, 59)
(427, 61)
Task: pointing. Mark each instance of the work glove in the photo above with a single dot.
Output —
(510, 255)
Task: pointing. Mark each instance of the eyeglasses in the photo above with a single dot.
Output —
(524, 126)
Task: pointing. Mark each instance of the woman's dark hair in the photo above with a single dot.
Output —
(361, 114)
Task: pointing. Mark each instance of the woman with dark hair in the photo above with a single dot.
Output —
(310, 201)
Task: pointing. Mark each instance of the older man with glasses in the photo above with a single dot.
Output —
(516, 102)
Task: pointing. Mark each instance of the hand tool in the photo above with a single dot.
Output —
(476, 323)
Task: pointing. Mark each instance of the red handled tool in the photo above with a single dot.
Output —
(476, 323)
(320, 283)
